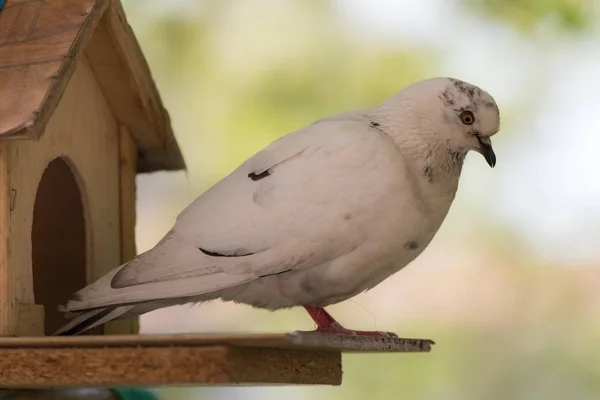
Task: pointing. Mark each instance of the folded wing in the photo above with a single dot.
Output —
(279, 211)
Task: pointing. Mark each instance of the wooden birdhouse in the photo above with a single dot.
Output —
(79, 117)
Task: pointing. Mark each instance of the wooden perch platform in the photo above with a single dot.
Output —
(192, 359)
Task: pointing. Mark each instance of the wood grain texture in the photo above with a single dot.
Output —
(12, 3)
(54, 90)
(48, 48)
(30, 319)
(127, 174)
(23, 92)
(127, 194)
(113, 74)
(16, 22)
(218, 359)
(147, 366)
(60, 15)
(7, 306)
(84, 132)
(59, 30)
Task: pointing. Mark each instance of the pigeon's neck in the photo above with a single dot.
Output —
(427, 154)
(433, 161)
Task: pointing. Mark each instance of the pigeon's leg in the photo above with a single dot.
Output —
(326, 323)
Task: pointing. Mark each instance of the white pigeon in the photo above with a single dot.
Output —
(318, 216)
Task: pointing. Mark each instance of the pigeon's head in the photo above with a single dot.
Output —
(471, 117)
(453, 113)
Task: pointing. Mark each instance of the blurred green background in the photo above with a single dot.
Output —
(510, 287)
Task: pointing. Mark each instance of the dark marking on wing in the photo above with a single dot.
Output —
(411, 245)
(257, 177)
(214, 254)
(276, 273)
(375, 124)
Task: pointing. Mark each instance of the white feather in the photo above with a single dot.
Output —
(348, 201)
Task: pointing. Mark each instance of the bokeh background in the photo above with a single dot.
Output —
(510, 287)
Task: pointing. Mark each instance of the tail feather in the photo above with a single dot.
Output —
(91, 319)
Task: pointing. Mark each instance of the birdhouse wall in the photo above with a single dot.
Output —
(95, 153)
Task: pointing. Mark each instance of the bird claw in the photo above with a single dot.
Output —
(327, 324)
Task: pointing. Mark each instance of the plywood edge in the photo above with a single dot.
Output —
(352, 343)
(32, 129)
(179, 359)
(295, 340)
(160, 366)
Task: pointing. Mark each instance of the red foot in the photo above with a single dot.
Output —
(326, 323)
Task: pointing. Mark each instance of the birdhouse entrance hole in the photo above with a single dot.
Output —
(58, 240)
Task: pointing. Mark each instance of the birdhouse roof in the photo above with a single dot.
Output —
(41, 42)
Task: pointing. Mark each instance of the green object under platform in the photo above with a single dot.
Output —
(135, 394)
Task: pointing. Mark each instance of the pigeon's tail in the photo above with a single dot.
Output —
(84, 321)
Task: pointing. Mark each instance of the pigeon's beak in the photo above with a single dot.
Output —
(485, 148)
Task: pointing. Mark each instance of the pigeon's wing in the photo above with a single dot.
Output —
(293, 205)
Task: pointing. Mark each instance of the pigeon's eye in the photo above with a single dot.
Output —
(467, 117)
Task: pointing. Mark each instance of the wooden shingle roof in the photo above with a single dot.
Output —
(40, 43)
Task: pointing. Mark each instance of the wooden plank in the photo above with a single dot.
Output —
(294, 340)
(60, 15)
(30, 320)
(140, 366)
(15, 22)
(127, 174)
(127, 194)
(152, 360)
(272, 340)
(23, 89)
(7, 309)
(44, 49)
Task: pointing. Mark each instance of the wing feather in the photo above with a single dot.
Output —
(251, 228)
